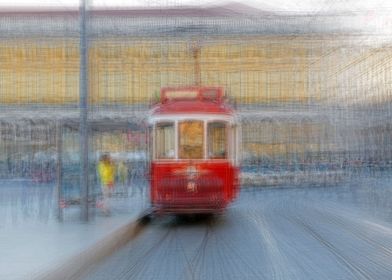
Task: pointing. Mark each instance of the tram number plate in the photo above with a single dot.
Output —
(191, 187)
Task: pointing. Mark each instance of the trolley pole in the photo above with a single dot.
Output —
(196, 56)
(83, 103)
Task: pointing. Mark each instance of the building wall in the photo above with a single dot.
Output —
(257, 70)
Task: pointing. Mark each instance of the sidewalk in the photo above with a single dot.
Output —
(30, 247)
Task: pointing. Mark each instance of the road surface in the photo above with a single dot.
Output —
(340, 232)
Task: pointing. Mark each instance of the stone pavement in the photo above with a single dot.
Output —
(31, 246)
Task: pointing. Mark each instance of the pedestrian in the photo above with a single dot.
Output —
(106, 171)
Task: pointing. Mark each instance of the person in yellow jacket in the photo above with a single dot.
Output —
(106, 172)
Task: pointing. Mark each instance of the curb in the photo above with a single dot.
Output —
(75, 267)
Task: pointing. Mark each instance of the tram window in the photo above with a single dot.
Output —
(217, 140)
(191, 140)
(164, 140)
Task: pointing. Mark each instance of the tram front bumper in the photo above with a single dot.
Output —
(211, 204)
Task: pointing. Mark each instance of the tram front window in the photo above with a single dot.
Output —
(217, 140)
(191, 140)
(165, 140)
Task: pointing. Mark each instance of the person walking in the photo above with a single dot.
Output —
(106, 171)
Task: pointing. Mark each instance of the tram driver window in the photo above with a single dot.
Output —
(191, 140)
(217, 140)
(164, 140)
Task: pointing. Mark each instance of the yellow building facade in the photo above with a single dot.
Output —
(252, 69)
(255, 70)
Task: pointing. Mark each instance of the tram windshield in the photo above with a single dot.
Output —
(191, 140)
(165, 140)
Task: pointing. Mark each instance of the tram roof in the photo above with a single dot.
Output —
(192, 100)
(192, 107)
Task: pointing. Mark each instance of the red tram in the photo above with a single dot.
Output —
(194, 149)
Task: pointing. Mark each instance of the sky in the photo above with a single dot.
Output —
(313, 6)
